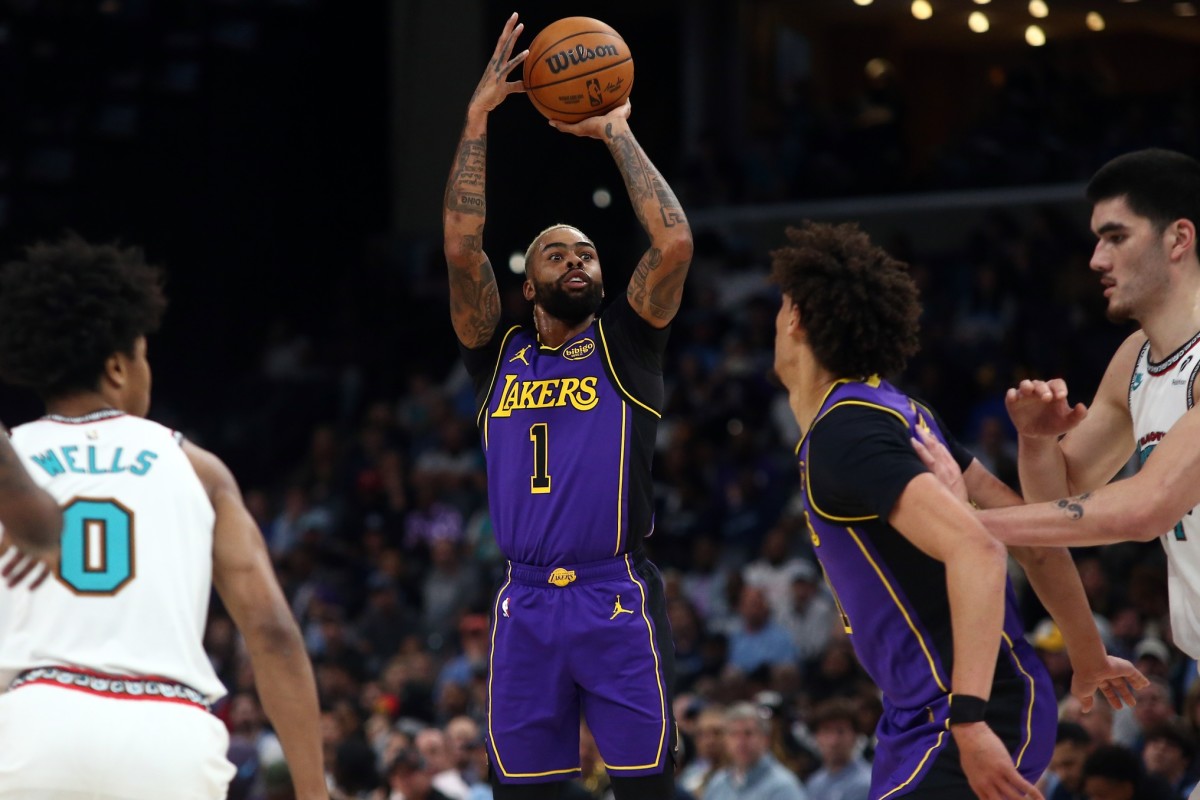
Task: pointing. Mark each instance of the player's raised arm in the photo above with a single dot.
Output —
(31, 519)
(656, 288)
(474, 297)
(245, 580)
(1094, 441)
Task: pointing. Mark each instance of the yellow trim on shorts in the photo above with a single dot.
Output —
(1032, 695)
(896, 599)
(662, 700)
(491, 674)
(613, 371)
(917, 771)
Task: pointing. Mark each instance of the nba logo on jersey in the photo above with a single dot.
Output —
(504, 606)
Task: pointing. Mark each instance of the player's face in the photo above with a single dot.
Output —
(564, 275)
(1131, 257)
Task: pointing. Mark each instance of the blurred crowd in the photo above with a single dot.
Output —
(382, 541)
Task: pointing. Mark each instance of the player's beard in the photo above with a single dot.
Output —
(570, 307)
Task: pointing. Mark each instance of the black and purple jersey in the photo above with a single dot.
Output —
(568, 433)
(855, 462)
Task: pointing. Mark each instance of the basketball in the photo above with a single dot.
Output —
(577, 68)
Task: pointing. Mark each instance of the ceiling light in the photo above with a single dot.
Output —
(1095, 22)
(1038, 8)
(921, 9)
(863, 2)
(982, 2)
(1035, 36)
(978, 22)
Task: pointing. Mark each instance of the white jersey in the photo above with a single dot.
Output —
(136, 570)
(1159, 394)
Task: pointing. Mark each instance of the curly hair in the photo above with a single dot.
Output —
(69, 305)
(859, 306)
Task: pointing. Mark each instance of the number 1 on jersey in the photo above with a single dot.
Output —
(539, 482)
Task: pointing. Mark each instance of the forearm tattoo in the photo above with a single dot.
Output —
(646, 186)
(1073, 506)
(464, 190)
(653, 291)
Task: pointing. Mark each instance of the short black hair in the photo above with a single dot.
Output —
(858, 305)
(836, 709)
(1114, 762)
(67, 306)
(1174, 733)
(1074, 733)
(1161, 185)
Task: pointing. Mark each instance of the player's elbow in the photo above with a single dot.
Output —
(677, 246)
(1153, 513)
(455, 251)
(272, 630)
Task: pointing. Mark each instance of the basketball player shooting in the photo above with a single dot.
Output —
(567, 412)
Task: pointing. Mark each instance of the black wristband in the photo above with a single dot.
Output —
(967, 708)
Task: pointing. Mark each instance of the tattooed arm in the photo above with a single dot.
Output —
(474, 297)
(656, 288)
(1140, 508)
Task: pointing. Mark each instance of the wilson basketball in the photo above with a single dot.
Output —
(577, 68)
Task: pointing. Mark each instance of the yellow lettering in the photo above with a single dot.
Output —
(546, 395)
(519, 395)
(508, 397)
(585, 398)
(567, 392)
(527, 388)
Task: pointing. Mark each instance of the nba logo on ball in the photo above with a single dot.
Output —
(577, 67)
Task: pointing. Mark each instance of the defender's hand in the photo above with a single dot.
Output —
(1040, 408)
(494, 86)
(937, 458)
(1114, 677)
(597, 127)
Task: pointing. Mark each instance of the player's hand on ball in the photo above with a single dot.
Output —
(597, 127)
(494, 86)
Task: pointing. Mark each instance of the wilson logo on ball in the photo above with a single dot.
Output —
(565, 59)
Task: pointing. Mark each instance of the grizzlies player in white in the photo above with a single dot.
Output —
(1146, 208)
(108, 684)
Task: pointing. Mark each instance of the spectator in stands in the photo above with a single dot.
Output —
(844, 774)
(752, 774)
(758, 641)
(1169, 754)
(709, 756)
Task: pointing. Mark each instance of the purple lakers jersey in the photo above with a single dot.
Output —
(892, 597)
(568, 434)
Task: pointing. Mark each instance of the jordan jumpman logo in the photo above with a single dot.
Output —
(618, 610)
(521, 355)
